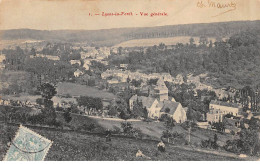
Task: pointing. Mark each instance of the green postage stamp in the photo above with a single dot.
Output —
(28, 146)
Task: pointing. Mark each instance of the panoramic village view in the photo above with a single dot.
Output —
(188, 92)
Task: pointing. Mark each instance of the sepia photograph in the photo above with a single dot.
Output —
(129, 80)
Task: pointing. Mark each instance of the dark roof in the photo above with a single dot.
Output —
(222, 103)
(169, 104)
(146, 101)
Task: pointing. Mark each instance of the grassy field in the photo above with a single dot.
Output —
(69, 145)
(152, 129)
(157, 41)
(82, 90)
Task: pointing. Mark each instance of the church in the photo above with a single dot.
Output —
(158, 103)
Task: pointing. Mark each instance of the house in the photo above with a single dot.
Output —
(174, 110)
(166, 77)
(113, 81)
(124, 66)
(217, 109)
(2, 58)
(75, 62)
(150, 103)
(157, 108)
(50, 57)
(77, 73)
(178, 79)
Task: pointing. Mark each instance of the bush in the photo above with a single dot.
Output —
(232, 146)
(127, 128)
(209, 144)
(116, 130)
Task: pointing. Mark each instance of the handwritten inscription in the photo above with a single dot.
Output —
(143, 14)
(227, 5)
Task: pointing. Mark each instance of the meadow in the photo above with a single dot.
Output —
(82, 90)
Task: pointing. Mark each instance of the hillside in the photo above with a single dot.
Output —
(110, 37)
(157, 41)
(149, 129)
(69, 145)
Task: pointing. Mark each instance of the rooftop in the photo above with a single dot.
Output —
(222, 103)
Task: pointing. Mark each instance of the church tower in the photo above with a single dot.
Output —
(160, 90)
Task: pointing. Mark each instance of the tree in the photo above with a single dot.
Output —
(192, 41)
(145, 113)
(190, 127)
(112, 110)
(152, 81)
(138, 110)
(90, 103)
(124, 115)
(136, 83)
(127, 128)
(47, 92)
(33, 52)
(67, 116)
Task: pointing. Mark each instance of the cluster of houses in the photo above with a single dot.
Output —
(158, 103)
(50, 57)
(2, 59)
(121, 76)
(218, 109)
(100, 55)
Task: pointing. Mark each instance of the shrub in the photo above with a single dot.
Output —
(209, 144)
(116, 130)
(127, 128)
(232, 146)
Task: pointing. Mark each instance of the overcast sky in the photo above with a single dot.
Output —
(74, 14)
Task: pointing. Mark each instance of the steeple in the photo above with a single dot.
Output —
(161, 91)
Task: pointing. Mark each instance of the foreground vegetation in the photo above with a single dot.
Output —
(69, 145)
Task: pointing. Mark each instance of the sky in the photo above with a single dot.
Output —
(74, 14)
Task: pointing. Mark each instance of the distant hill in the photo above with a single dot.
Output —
(110, 37)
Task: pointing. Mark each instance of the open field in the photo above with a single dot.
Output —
(69, 145)
(17, 42)
(157, 41)
(82, 90)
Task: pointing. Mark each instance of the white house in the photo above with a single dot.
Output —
(50, 57)
(77, 73)
(113, 81)
(2, 58)
(75, 62)
(174, 110)
(150, 103)
(217, 109)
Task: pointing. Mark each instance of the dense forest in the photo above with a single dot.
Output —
(111, 37)
(234, 62)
